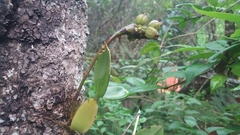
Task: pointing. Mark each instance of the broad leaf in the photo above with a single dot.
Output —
(191, 101)
(116, 92)
(84, 116)
(102, 73)
(175, 125)
(236, 68)
(144, 88)
(236, 34)
(216, 55)
(190, 121)
(217, 45)
(135, 81)
(153, 130)
(200, 56)
(217, 81)
(213, 2)
(236, 88)
(194, 70)
(151, 46)
(220, 15)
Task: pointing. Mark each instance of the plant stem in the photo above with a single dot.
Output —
(120, 32)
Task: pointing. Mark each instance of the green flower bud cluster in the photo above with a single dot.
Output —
(151, 30)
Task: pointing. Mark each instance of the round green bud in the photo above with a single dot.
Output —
(141, 19)
(155, 24)
(151, 33)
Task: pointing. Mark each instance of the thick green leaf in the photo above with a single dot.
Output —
(216, 55)
(102, 73)
(200, 56)
(217, 45)
(175, 125)
(155, 54)
(236, 88)
(144, 88)
(236, 34)
(220, 15)
(135, 81)
(191, 112)
(153, 130)
(194, 70)
(213, 2)
(190, 121)
(116, 92)
(200, 132)
(151, 46)
(219, 130)
(191, 101)
(236, 68)
(84, 116)
(217, 81)
(224, 131)
(211, 129)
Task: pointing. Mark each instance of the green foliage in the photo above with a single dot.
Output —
(153, 130)
(189, 47)
(113, 118)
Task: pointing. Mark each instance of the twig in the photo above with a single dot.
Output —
(163, 39)
(201, 88)
(136, 123)
(137, 115)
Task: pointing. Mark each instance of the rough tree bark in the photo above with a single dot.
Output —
(42, 44)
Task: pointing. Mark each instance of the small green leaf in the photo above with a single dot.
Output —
(144, 88)
(217, 45)
(116, 92)
(190, 121)
(175, 125)
(191, 101)
(200, 132)
(103, 129)
(150, 46)
(236, 88)
(216, 55)
(99, 123)
(200, 56)
(236, 34)
(191, 112)
(236, 68)
(220, 15)
(224, 131)
(135, 81)
(155, 54)
(213, 2)
(211, 129)
(153, 130)
(194, 70)
(217, 81)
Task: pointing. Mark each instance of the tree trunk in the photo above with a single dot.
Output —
(42, 44)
